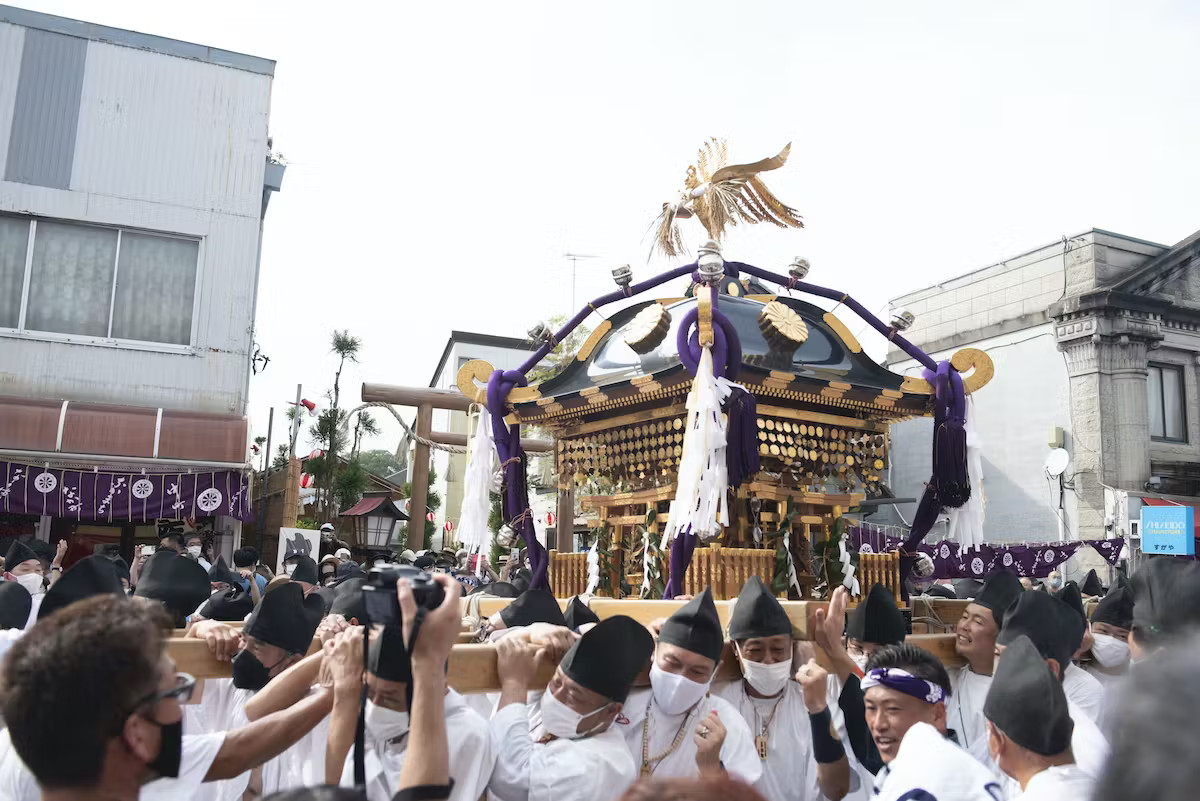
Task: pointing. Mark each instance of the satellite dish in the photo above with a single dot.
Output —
(1056, 462)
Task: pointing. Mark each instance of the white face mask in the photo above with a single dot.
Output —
(1109, 651)
(289, 569)
(860, 660)
(194, 550)
(384, 724)
(766, 679)
(33, 583)
(673, 693)
(562, 721)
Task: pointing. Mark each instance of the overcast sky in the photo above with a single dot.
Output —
(444, 155)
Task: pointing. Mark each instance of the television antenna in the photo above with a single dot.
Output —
(575, 257)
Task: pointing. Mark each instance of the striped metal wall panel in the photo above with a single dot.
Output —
(41, 146)
(12, 43)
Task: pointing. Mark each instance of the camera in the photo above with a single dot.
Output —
(379, 592)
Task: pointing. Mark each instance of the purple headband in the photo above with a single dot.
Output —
(904, 682)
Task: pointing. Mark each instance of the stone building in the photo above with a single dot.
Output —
(1096, 343)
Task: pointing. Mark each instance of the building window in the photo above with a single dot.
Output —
(93, 281)
(1165, 399)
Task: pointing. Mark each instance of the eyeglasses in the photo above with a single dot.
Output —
(185, 684)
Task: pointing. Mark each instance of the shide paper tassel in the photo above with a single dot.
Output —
(480, 476)
(699, 509)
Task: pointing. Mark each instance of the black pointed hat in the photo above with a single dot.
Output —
(696, 627)
(966, 588)
(92, 575)
(348, 600)
(1000, 589)
(1091, 584)
(228, 605)
(121, 566)
(1049, 624)
(502, 589)
(221, 572)
(1116, 607)
(347, 571)
(18, 552)
(306, 570)
(285, 618)
(757, 613)
(387, 658)
(15, 605)
(609, 657)
(877, 619)
(1166, 593)
(578, 614)
(533, 606)
(1071, 596)
(178, 582)
(1026, 701)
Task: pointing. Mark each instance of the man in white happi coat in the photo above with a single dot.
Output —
(563, 746)
(1110, 624)
(1083, 690)
(904, 696)
(677, 728)
(802, 756)
(975, 641)
(1051, 626)
(1029, 727)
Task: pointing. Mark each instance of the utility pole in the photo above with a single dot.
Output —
(575, 257)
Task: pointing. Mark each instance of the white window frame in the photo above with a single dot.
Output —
(20, 332)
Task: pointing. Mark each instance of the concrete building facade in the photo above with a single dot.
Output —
(1096, 343)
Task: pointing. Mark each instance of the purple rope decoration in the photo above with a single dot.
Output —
(726, 347)
(682, 548)
(514, 498)
(741, 445)
(949, 485)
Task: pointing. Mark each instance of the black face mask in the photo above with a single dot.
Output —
(248, 672)
(166, 764)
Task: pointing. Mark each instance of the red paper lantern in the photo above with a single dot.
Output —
(550, 518)
(449, 526)
(429, 516)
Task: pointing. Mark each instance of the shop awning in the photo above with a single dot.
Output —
(62, 431)
(1146, 501)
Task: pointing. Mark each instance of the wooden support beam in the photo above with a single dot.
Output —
(530, 445)
(472, 668)
(420, 478)
(450, 399)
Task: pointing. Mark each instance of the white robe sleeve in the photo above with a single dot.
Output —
(514, 753)
(738, 754)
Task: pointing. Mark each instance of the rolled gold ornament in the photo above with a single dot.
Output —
(783, 329)
(648, 329)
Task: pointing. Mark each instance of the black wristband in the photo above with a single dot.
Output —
(827, 748)
(426, 792)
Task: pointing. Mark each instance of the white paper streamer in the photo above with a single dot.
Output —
(848, 579)
(647, 587)
(966, 521)
(477, 504)
(699, 505)
(593, 563)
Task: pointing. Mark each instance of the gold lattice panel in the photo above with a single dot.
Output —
(637, 453)
(818, 451)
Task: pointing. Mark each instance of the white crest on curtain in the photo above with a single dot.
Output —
(699, 505)
(966, 522)
(477, 504)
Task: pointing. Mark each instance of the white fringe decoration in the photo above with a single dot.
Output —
(477, 505)
(593, 563)
(966, 522)
(848, 579)
(647, 587)
(699, 505)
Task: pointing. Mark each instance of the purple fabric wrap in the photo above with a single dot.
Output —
(111, 497)
(726, 348)
(682, 548)
(904, 682)
(514, 497)
(951, 562)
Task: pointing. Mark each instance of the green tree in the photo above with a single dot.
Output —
(379, 462)
(349, 485)
(280, 462)
(327, 433)
(365, 425)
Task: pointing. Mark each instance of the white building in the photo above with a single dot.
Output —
(1096, 345)
(134, 179)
